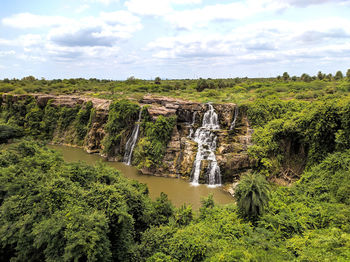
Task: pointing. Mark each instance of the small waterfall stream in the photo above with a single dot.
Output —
(130, 144)
(192, 124)
(233, 124)
(206, 140)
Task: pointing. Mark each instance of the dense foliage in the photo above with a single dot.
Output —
(31, 119)
(121, 118)
(291, 135)
(53, 211)
(155, 136)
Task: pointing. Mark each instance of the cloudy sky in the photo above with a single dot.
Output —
(115, 39)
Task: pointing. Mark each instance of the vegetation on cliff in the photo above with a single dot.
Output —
(121, 118)
(155, 136)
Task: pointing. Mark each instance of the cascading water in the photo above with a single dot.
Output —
(192, 124)
(130, 144)
(206, 140)
(233, 124)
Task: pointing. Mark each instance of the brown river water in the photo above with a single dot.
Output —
(179, 191)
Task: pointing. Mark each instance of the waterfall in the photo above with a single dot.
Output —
(233, 124)
(130, 144)
(206, 140)
(192, 124)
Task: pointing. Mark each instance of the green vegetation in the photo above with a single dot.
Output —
(155, 136)
(82, 120)
(55, 211)
(121, 118)
(237, 90)
(7, 132)
(252, 195)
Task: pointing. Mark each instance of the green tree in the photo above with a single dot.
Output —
(285, 76)
(348, 74)
(306, 78)
(54, 211)
(201, 85)
(329, 77)
(252, 195)
(338, 75)
(320, 75)
(157, 80)
(221, 84)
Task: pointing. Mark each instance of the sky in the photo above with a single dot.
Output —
(174, 39)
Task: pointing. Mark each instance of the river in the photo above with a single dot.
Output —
(179, 191)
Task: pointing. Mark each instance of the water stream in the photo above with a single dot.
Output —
(192, 124)
(130, 144)
(233, 124)
(206, 139)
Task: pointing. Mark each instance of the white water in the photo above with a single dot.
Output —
(130, 144)
(192, 124)
(206, 140)
(233, 124)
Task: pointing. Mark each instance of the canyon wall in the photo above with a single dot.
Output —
(231, 150)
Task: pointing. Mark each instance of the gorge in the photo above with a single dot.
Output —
(205, 143)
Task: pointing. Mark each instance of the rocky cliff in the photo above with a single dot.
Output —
(231, 153)
(232, 145)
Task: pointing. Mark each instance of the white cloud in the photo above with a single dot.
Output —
(204, 15)
(7, 53)
(121, 17)
(5, 41)
(156, 7)
(34, 58)
(75, 53)
(82, 8)
(29, 40)
(67, 39)
(28, 20)
(106, 2)
(272, 41)
(303, 3)
(104, 30)
(201, 17)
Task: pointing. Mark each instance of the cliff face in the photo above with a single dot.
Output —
(181, 151)
(231, 150)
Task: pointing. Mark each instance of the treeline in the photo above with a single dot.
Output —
(55, 211)
(133, 86)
